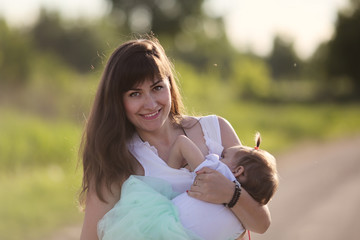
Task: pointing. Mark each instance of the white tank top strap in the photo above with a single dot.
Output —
(212, 134)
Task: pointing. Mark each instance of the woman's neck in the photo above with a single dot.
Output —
(162, 139)
(163, 136)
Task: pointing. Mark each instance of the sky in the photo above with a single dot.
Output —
(250, 24)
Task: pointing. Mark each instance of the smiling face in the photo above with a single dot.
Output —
(147, 105)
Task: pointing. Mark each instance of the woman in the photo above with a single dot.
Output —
(138, 101)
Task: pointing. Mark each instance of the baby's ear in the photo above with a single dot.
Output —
(238, 171)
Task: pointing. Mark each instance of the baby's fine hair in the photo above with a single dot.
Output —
(260, 171)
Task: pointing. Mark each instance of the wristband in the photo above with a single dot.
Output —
(235, 196)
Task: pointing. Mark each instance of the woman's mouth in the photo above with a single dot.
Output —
(151, 116)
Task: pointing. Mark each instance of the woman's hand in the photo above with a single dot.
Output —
(212, 186)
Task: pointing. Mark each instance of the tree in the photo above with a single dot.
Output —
(160, 16)
(15, 56)
(251, 77)
(185, 30)
(283, 61)
(76, 45)
(343, 60)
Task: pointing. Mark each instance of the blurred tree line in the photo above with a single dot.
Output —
(192, 36)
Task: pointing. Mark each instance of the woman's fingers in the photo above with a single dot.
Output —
(202, 175)
(194, 194)
(211, 186)
(205, 170)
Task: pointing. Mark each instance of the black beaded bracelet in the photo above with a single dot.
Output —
(235, 197)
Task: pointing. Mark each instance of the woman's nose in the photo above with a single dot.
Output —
(150, 102)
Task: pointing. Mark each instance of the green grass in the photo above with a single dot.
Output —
(38, 201)
(283, 126)
(38, 180)
(29, 141)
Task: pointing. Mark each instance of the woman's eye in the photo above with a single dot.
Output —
(157, 88)
(134, 94)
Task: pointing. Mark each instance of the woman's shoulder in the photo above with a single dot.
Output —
(228, 134)
(189, 121)
(224, 124)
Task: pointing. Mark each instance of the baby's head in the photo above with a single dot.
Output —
(255, 169)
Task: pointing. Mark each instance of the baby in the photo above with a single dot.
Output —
(151, 202)
(253, 168)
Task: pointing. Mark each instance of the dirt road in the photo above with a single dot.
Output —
(319, 193)
(318, 197)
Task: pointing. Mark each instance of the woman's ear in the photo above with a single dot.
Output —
(238, 171)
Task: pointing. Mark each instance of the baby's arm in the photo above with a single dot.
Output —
(184, 148)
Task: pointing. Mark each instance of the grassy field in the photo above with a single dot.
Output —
(283, 126)
(38, 177)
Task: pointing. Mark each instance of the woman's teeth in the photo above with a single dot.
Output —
(151, 114)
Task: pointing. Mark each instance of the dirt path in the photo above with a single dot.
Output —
(318, 197)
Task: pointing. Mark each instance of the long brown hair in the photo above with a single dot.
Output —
(105, 157)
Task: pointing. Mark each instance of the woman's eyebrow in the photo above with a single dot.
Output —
(152, 85)
(134, 89)
(155, 83)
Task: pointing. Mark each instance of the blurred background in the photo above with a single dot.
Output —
(289, 69)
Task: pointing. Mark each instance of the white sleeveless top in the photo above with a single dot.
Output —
(154, 166)
(207, 220)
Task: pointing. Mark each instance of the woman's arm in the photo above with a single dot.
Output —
(213, 187)
(95, 209)
(253, 216)
(184, 148)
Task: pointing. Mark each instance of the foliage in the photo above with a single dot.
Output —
(284, 125)
(344, 49)
(15, 55)
(161, 16)
(204, 44)
(283, 61)
(183, 28)
(38, 181)
(27, 142)
(315, 66)
(201, 44)
(196, 87)
(251, 78)
(77, 45)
